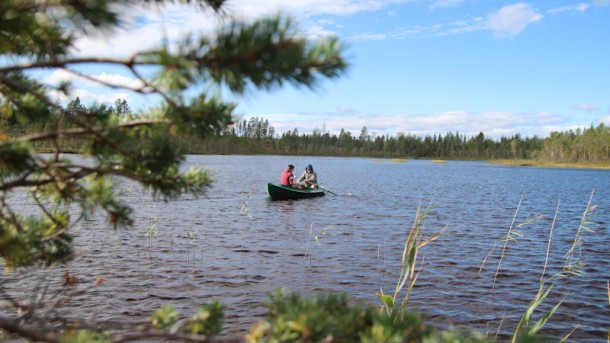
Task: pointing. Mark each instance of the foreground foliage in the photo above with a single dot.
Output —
(38, 36)
(330, 318)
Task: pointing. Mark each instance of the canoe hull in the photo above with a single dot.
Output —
(279, 192)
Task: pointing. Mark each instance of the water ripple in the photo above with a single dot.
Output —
(238, 258)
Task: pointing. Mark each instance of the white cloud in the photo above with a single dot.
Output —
(90, 92)
(347, 110)
(601, 3)
(460, 27)
(57, 77)
(492, 124)
(445, 4)
(110, 98)
(369, 37)
(401, 33)
(117, 79)
(145, 28)
(581, 7)
(511, 20)
(250, 9)
(89, 98)
(314, 31)
(114, 79)
(586, 107)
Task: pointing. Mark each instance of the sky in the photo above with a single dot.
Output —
(416, 66)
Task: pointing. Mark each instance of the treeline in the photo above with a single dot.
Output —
(588, 145)
(257, 136)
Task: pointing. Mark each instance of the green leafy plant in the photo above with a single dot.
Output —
(165, 317)
(330, 318)
(83, 336)
(208, 320)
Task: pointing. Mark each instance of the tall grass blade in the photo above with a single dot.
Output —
(505, 243)
(573, 262)
(409, 271)
(323, 232)
(536, 327)
(565, 338)
(525, 319)
(548, 247)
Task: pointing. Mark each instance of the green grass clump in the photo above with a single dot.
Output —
(330, 318)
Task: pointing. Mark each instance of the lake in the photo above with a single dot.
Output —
(236, 245)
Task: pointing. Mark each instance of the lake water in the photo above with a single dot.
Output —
(236, 245)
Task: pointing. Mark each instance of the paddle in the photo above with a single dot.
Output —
(320, 186)
(331, 192)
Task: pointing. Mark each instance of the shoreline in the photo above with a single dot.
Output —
(546, 164)
(504, 162)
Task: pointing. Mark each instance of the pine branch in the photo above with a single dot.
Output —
(33, 332)
(85, 132)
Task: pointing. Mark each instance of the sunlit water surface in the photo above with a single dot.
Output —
(236, 245)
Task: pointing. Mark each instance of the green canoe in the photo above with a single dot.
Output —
(279, 192)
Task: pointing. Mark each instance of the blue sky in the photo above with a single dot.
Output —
(421, 67)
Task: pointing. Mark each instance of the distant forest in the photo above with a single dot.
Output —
(257, 136)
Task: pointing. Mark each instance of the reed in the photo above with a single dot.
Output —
(513, 235)
(315, 238)
(411, 266)
(245, 211)
(321, 233)
(245, 208)
(189, 235)
(203, 236)
(543, 292)
(572, 266)
(150, 233)
(381, 260)
(573, 262)
(171, 227)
